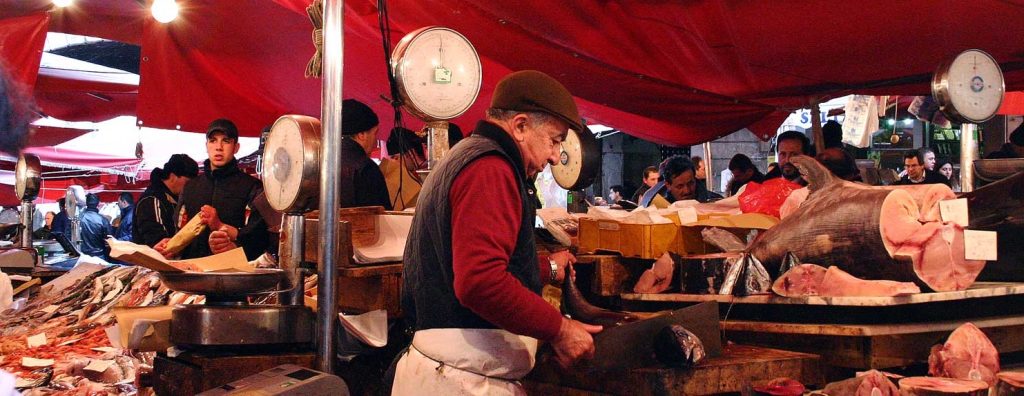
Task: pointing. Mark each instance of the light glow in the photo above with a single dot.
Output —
(890, 122)
(908, 121)
(164, 11)
(62, 3)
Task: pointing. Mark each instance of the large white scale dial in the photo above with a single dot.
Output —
(579, 161)
(969, 88)
(438, 73)
(291, 163)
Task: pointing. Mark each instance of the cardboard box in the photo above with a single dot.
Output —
(650, 241)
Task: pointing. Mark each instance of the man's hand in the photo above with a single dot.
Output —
(222, 240)
(562, 259)
(208, 215)
(161, 247)
(574, 342)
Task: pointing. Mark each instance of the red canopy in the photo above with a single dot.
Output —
(73, 90)
(671, 72)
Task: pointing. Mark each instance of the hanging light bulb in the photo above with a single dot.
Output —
(62, 3)
(164, 11)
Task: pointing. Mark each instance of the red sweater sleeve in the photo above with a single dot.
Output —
(486, 214)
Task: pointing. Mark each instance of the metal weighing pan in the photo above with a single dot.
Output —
(991, 170)
(223, 283)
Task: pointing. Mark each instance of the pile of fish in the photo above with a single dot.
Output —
(57, 343)
(872, 233)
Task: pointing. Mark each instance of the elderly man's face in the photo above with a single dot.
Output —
(540, 143)
(929, 161)
(683, 186)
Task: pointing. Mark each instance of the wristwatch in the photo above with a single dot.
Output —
(554, 270)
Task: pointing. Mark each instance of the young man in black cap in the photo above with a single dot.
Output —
(472, 274)
(154, 213)
(94, 228)
(362, 183)
(220, 196)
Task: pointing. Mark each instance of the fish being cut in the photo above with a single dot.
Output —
(869, 383)
(967, 354)
(871, 233)
(815, 280)
(931, 386)
(577, 307)
(1009, 383)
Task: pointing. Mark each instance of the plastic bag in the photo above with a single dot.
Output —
(766, 197)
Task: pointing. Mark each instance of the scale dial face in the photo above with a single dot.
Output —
(970, 87)
(27, 179)
(578, 162)
(291, 160)
(438, 73)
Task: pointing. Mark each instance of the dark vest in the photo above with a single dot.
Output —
(429, 294)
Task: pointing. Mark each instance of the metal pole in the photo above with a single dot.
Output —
(330, 162)
(294, 234)
(968, 153)
(709, 173)
(437, 142)
(27, 211)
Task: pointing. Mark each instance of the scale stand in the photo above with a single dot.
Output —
(28, 209)
(293, 236)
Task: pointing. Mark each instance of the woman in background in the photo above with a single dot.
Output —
(945, 168)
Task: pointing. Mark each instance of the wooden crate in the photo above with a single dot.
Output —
(364, 223)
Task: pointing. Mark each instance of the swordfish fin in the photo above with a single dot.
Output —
(817, 175)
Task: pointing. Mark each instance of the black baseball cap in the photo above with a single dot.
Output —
(222, 125)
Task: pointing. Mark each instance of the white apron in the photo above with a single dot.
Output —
(465, 362)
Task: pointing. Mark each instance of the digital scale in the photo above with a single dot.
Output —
(284, 380)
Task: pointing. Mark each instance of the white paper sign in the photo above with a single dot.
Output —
(980, 245)
(687, 215)
(33, 362)
(954, 211)
(861, 120)
(36, 340)
(98, 366)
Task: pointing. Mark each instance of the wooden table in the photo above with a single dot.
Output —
(863, 332)
(731, 372)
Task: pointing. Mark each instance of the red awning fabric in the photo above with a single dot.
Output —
(73, 90)
(1013, 104)
(73, 159)
(672, 72)
(21, 45)
(45, 135)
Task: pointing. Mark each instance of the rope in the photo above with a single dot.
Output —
(316, 16)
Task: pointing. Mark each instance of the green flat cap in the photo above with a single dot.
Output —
(531, 90)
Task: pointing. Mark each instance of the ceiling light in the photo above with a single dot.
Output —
(62, 3)
(164, 11)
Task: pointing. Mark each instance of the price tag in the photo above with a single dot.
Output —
(36, 340)
(687, 215)
(98, 366)
(954, 211)
(980, 245)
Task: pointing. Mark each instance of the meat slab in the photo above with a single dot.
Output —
(967, 354)
(815, 280)
(1010, 383)
(932, 386)
(869, 383)
(872, 233)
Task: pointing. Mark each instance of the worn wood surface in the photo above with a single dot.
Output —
(876, 346)
(364, 226)
(192, 373)
(977, 290)
(737, 367)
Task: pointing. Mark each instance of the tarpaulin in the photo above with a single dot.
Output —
(672, 72)
(72, 90)
(21, 45)
(74, 159)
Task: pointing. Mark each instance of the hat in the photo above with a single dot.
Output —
(181, 165)
(91, 200)
(356, 117)
(531, 90)
(222, 125)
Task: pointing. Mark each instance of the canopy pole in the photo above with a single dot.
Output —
(330, 163)
(968, 153)
(816, 133)
(709, 173)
